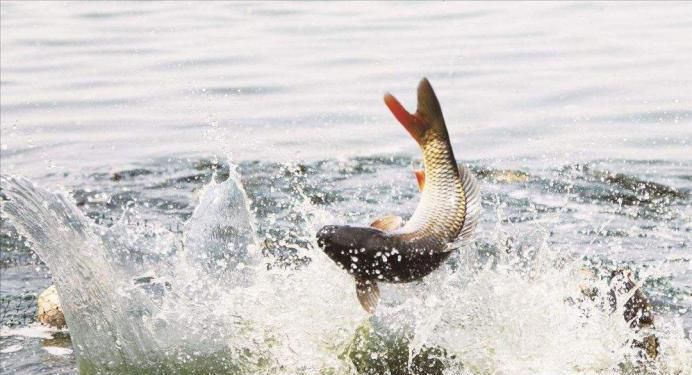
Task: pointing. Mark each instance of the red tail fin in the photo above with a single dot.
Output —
(428, 114)
(413, 124)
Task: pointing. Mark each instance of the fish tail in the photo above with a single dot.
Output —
(428, 106)
(428, 113)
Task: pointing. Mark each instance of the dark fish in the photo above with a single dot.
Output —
(447, 212)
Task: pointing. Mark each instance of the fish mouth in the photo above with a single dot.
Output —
(326, 241)
(324, 235)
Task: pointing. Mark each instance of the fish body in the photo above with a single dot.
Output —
(372, 254)
(448, 211)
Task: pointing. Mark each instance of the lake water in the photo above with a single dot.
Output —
(576, 117)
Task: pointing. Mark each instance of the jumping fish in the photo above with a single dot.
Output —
(447, 213)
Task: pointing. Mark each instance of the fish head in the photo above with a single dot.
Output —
(352, 247)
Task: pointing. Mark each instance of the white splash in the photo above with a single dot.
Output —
(211, 303)
(35, 330)
(211, 299)
(11, 349)
(57, 351)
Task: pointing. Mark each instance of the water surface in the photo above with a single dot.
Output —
(577, 118)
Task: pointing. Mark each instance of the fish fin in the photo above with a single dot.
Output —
(429, 109)
(413, 123)
(420, 177)
(368, 294)
(473, 202)
(428, 112)
(387, 223)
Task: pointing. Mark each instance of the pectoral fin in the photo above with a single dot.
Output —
(420, 177)
(387, 223)
(368, 294)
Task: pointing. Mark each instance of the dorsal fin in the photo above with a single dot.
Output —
(473, 202)
(387, 223)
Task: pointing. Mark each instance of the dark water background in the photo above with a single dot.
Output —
(577, 117)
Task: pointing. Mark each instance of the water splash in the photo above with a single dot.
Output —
(151, 300)
(204, 306)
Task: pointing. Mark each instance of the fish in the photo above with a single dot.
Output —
(447, 214)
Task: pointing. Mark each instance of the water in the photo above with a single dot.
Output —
(576, 117)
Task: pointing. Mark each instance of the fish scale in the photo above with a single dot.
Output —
(441, 211)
